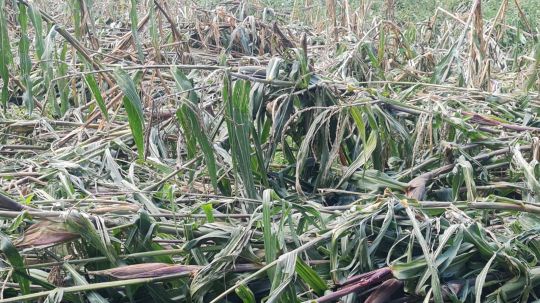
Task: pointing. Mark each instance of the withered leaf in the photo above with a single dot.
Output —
(417, 187)
(45, 233)
(118, 209)
(147, 270)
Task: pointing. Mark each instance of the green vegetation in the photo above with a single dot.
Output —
(269, 151)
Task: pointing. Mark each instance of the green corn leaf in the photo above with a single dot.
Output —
(92, 296)
(96, 92)
(5, 55)
(528, 171)
(309, 276)
(133, 106)
(363, 158)
(76, 10)
(98, 238)
(192, 124)
(62, 70)
(35, 17)
(245, 294)
(16, 261)
(468, 177)
(284, 274)
(442, 70)
(208, 211)
(359, 121)
(47, 59)
(239, 127)
(270, 243)
(481, 279)
(432, 267)
(534, 76)
(24, 59)
(134, 30)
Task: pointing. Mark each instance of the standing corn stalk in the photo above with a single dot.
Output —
(390, 8)
(478, 63)
(331, 13)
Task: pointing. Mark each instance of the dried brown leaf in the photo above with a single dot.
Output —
(417, 187)
(45, 233)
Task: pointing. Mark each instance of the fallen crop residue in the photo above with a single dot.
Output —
(269, 151)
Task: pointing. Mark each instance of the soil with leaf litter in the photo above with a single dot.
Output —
(186, 154)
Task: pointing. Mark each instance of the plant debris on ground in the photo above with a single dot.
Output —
(245, 151)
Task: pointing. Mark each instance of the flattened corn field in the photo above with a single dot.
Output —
(269, 151)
